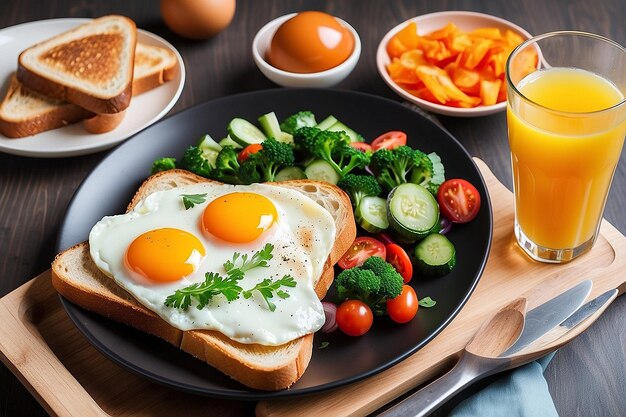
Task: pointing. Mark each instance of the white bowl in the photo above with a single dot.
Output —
(465, 21)
(327, 78)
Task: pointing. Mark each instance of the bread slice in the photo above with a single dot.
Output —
(24, 112)
(271, 368)
(153, 66)
(90, 66)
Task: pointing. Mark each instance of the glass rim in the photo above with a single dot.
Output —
(537, 38)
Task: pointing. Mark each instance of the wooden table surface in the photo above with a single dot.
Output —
(586, 378)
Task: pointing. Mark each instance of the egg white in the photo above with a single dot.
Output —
(302, 237)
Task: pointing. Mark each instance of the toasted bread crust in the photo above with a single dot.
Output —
(209, 346)
(102, 123)
(56, 116)
(115, 304)
(61, 116)
(66, 113)
(151, 81)
(72, 95)
(39, 82)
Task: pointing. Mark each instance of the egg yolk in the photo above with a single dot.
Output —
(239, 217)
(164, 255)
(310, 42)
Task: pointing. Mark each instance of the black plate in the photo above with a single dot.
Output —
(111, 185)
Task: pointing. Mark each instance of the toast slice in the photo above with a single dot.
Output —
(153, 66)
(24, 112)
(90, 66)
(75, 276)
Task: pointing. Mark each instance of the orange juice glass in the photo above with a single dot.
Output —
(566, 118)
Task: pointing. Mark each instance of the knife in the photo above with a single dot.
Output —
(580, 315)
(471, 368)
(548, 315)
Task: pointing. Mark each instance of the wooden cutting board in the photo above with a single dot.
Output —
(70, 377)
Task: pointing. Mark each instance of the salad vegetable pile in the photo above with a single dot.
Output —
(401, 199)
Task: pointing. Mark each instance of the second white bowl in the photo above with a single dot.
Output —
(327, 78)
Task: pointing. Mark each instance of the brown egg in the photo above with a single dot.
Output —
(310, 42)
(197, 19)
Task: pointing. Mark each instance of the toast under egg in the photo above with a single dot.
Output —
(76, 277)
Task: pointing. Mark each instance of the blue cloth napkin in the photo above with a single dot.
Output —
(522, 392)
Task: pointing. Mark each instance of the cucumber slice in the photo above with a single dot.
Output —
(228, 141)
(439, 172)
(206, 142)
(331, 123)
(321, 170)
(372, 214)
(327, 122)
(290, 173)
(413, 211)
(338, 126)
(436, 255)
(244, 133)
(209, 148)
(271, 127)
(211, 157)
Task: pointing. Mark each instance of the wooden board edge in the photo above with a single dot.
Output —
(25, 352)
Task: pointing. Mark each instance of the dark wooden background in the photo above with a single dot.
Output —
(586, 378)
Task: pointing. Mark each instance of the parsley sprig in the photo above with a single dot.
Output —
(213, 285)
(258, 259)
(190, 200)
(268, 287)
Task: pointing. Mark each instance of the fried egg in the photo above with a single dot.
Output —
(161, 246)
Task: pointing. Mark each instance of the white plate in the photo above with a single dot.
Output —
(427, 23)
(73, 140)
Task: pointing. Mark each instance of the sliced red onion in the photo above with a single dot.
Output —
(385, 238)
(330, 311)
(446, 225)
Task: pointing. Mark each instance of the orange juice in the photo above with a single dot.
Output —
(563, 154)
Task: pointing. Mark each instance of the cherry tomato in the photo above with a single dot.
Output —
(400, 260)
(361, 249)
(361, 146)
(404, 307)
(389, 140)
(249, 150)
(459, 201)
(354, 317)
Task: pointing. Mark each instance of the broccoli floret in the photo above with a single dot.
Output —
(227, 166)
(428, 171)
(390, 280)
(422, 172)
(357, 284)
(263, 165)
(163, 164)
(305, 134)
(193, 160)
(374, 283)
(392, 166)
(349, 158)
(359, 186)
(333, 147)
(298, 120)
